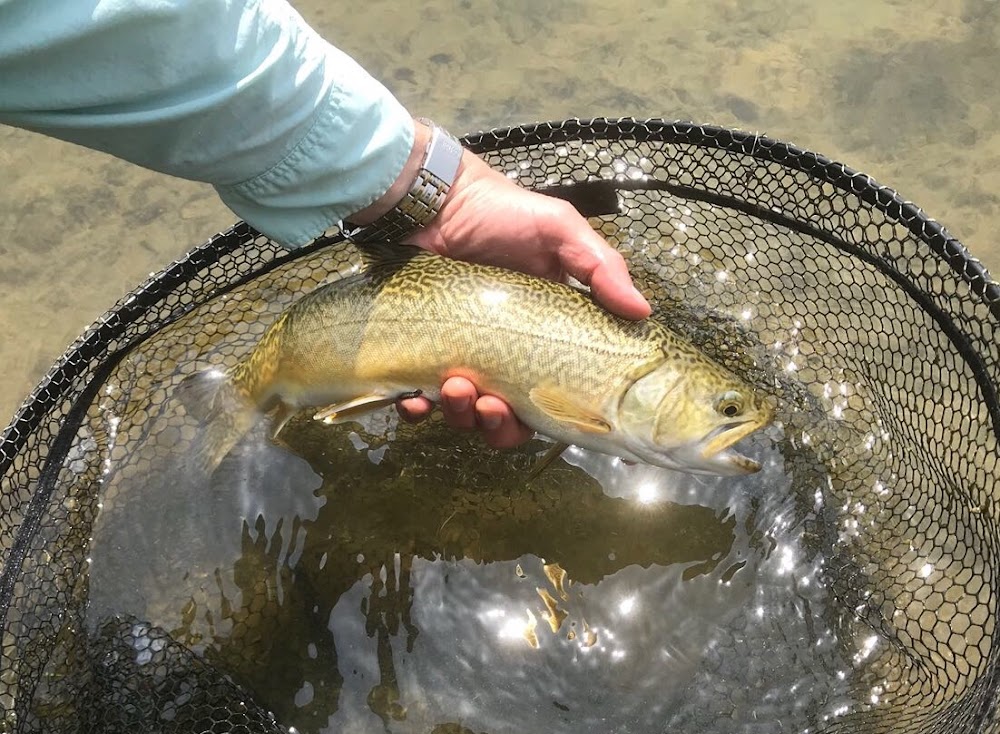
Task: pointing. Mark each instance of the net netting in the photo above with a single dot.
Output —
(877, 333)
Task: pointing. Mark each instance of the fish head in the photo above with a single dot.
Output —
(688, 416)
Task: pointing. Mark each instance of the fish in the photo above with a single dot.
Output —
(570, 369)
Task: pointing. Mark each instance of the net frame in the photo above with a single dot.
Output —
(56, 407)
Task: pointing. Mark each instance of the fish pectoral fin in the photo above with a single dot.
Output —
(353, 408)
(558, 406)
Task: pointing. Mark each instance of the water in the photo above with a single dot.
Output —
(386, 582)
(405, 578)
(902, 90)
(383, 577)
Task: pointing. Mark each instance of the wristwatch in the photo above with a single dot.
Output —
(423, 201)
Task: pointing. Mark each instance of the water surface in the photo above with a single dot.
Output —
(403, 579)
(905, 91)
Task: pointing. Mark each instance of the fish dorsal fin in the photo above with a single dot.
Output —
(386, 254)
(558, 406)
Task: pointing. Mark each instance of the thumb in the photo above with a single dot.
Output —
(587, 257)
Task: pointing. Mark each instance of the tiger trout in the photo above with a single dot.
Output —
(569, 369)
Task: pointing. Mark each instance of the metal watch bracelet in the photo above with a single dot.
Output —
(426, 194)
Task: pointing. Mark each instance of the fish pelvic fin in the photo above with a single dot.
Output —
(542, 464)
(357, 407)
(224, 411)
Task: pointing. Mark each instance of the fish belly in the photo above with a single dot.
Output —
(438, 319)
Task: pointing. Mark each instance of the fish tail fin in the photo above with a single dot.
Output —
(225, 411)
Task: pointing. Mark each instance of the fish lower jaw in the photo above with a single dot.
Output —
(731, 463)
(693, 460)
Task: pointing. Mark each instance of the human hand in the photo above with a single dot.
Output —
(487, 218)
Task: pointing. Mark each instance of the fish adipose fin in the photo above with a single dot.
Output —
(558, 406)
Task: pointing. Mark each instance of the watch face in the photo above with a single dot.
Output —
(443, 155)
(424, 199)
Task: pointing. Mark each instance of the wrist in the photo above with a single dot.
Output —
(424, 192)
(461, 209)
(395, 193)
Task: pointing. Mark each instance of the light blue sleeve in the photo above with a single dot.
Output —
(293, 134)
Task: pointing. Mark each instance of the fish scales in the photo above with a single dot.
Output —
(439, 317)
(569, 369)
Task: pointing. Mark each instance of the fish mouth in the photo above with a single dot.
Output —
(719, 447)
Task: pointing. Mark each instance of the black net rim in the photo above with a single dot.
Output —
(761, 147)
(77, 364)
(767, 150)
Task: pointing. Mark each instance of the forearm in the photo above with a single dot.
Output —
(292, 132)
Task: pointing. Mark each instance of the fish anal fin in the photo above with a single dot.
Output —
(282, 414)
(555, 404)
(353, 408)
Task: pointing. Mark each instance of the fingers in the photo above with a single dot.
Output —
(612, 286)
(587, 257)
(458, 400)
(413, 410)
(464, 408)
(501, 428)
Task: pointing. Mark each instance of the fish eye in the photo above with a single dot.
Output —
(730, 404)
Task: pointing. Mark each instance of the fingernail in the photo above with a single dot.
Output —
(491, 421)
(460, 404)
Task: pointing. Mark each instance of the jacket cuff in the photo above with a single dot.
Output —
(350, 156)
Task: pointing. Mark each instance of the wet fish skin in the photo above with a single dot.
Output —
(568, 368)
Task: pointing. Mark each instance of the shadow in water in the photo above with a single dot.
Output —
(407, 579)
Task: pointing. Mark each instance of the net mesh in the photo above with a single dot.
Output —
(879, 333)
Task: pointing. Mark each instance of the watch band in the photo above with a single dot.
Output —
(424, 199)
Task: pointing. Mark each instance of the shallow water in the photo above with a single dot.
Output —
(383, 576)
(901, 90)
(388, 581)
(404, 579)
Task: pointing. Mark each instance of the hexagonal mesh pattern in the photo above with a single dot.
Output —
(877, 325)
